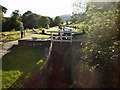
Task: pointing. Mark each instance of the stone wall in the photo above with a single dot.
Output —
(31, 43)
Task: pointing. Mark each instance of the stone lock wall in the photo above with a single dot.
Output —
(29, 43)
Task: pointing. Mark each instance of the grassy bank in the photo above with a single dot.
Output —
(13, 35)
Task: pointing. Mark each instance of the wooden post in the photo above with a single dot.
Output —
(66, 36)
(71, 37)
(51, 37)
(61, 37)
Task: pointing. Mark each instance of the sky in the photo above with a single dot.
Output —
(50, 8)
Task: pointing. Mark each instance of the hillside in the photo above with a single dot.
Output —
(65, 17)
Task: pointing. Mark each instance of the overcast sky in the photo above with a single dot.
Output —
(50, 8)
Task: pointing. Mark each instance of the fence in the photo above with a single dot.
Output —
(61, 36)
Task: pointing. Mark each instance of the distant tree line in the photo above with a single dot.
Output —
(28, 20)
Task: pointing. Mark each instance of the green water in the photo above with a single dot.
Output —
(20, 62)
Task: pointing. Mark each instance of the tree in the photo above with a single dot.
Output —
(58, 21)
(6, 25)
(44, 22)
(79, 6)
(79, 9)
(16, 20)
(5, 21)
(2, 10)
(51, 22)
(74, 18)
(30, 19)
(102, 22)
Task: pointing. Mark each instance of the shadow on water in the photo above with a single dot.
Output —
(23, 60)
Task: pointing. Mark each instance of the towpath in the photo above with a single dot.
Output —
(5, 46)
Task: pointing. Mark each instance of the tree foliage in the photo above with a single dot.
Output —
(4, 9)
(58, 21)
(51, 22)
(16, 20)
(30, 19)
(101, 25)
(2, 12)
(44, 22)
(27, 20)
